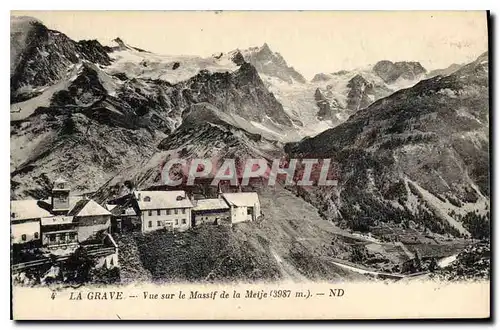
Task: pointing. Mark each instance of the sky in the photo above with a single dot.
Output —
(310, 41)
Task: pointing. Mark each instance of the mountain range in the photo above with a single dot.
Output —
(411, 147)
(420, 155)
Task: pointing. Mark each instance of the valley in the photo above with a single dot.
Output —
(411, 148)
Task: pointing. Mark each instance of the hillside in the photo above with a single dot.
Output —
(340, 94)
(412, 155)
(290, 242)
(416, 159)
(75, 114)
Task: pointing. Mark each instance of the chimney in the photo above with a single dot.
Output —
(219, 190)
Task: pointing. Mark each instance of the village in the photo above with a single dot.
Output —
(53, 229)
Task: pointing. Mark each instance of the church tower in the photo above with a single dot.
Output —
(60, 196)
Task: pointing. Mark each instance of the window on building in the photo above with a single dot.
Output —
(124, 211)
(36, 235)
(168, 212)
(176, 211)
(158, 223)
(52, 237)
(13, 215)
(72, 236)
(183, 211)
(60, 185)
(176, 222)
(150, 224)
(150, 213)
(158, 212)
(249, 211)
(183, 221)
(147, 199)
(23, 237)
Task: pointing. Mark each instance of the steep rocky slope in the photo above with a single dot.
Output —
(417, 159)
(40, 57)
(272, 64)
(90, 122)
(340, 94)
(390, 72)
(444, 72)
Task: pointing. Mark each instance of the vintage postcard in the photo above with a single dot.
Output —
(249, 165)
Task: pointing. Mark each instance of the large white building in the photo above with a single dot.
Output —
(164, 209)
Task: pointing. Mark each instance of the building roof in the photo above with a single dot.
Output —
(121, 210)
(210, 204)
(242, 198)
(149, 200)
(60, 180)
(88, 208)
(110, 207)
(27, 209)
(35, 209)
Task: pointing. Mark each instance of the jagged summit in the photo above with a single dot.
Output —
(238, 58)
(347, 91)
(390, 72)
(265, 50)
(419, 155)
(122, 45)
(40, 57)
(120, 42)
(271, 64)
(20, 27)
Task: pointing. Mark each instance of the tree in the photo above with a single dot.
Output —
(78, 267)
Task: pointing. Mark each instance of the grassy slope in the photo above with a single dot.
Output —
(290, 242)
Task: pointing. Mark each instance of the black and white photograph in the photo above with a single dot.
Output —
(227, 149)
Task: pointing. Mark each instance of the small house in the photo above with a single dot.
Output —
(212, 211)
(92, 219)
(244, 206)
(62, 219)
(25, 216)
(124, 216)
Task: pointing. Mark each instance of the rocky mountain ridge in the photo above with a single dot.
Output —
(95, 122)
(345, 92)
(45, 56)
(108, 113)
(390, 72)
(418, 158)
(269, 63)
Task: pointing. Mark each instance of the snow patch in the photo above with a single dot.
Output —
(22, 110)
(445, 262)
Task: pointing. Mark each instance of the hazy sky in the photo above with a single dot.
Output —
(310, 41)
